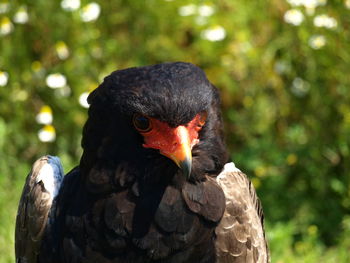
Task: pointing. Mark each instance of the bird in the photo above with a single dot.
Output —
(154, 182)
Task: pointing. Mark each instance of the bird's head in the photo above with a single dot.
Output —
(175, 143)
(168, 109)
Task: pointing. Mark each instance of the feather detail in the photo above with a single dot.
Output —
(41, 187)
(205, 198)
(240, 234)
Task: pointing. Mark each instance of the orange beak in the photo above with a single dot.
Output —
(180, 152)
(174, 143)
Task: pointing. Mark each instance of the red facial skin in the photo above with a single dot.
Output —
(175, 143)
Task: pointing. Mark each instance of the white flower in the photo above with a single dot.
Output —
(201, 20)
(307, 3)
(83, 100)
(4, 77)
(347, 4)
(294, 17)
(313, 3)
(63, 92)
(4, 7)
(90, 12)
(6, 27)
(56, 80)
(45, 115)
(47, 134)
(205, 10)
(281, 67)
(62, 50)
(70, 5)
(295, 2)
(300, 87)
(216, 33)
(317, 41)
(325, 21)
(322, 2)
(187, 10)
(21, 16)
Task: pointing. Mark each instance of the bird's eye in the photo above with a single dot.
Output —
(142, 123)
(202, 118)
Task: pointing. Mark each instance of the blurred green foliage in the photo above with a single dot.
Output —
(282, 68)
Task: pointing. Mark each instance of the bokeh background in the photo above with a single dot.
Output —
(283, 69)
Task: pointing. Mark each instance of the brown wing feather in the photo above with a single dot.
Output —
(240, 234)
(33, 210)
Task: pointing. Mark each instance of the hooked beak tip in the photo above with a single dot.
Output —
(186, 166)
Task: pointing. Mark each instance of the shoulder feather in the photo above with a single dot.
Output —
(240, 234)
(40, 189)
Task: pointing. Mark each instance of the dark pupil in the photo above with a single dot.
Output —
(142, 123)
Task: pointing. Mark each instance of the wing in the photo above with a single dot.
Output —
(41, 187)
(240, 234)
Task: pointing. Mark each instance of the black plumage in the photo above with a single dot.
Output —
(126, 202)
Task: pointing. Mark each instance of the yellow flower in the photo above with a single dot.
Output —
(90, 12)
(4, 77)
(36, 66)
(47, 134)
(45, 115)
(62, 50)
(6, 26)
(317, 41)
